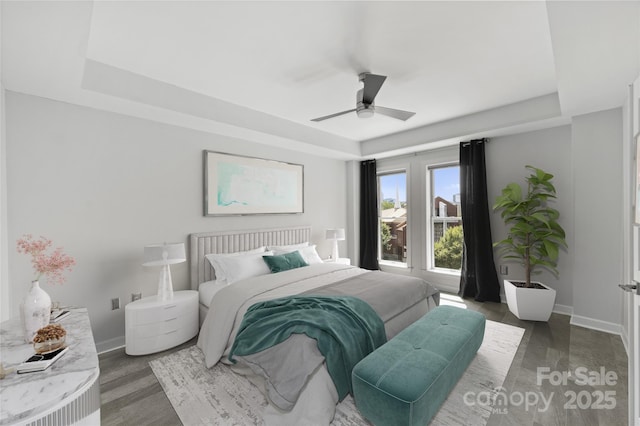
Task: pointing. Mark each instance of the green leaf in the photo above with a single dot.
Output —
(513, 192)
(533, 231)
(540, 216)
(552, 250)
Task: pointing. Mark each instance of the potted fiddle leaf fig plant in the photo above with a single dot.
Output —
(534, 240)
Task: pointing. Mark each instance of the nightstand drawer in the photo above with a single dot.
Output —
(151, 344)
(162, 326)
(155, 314)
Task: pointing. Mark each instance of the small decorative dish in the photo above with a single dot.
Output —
(49, 345)
(49, 338)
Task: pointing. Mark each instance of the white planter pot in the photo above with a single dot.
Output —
(532, 304)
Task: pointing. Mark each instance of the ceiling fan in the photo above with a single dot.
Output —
(365, 106)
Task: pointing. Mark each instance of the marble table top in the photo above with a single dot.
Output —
(23, 396)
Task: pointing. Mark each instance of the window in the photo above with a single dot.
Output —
(392, 195)
(405, 232)
(446, 223)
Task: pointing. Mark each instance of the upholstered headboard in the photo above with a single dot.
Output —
(203, 243)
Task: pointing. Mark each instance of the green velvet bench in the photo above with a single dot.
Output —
(405, 381)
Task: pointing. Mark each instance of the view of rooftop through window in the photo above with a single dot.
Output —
(393, 216)
(446, 181)
(446, 224)
(393, 187)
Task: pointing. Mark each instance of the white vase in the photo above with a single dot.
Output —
(35, 311)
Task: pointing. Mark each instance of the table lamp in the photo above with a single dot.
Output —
(335, 235)
(164, 255)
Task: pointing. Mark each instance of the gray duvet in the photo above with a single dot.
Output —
(397, 299)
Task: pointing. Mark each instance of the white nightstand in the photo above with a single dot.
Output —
(153, 325)
(340, 260)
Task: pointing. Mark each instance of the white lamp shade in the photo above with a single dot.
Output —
(335, 234)
(164, 254)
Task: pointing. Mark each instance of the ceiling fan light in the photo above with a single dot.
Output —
(365, 112)
(365, 106)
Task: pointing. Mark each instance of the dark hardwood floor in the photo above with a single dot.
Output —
(131, 395)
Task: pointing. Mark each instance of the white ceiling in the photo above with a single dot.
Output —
(261, 70)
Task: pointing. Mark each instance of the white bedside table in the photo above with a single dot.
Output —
(153, 325)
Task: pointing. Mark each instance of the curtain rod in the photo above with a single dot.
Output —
(483, 140)
(426, 151)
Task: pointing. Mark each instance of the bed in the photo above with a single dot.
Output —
(309, 396)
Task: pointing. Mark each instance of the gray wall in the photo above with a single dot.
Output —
(550, 150)
(585, 158)
(506, 158)
(104, 185)
(5, 309)
(597, 157)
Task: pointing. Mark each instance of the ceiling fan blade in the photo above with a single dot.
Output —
(395, 113)
(333, 115)
(372, 84)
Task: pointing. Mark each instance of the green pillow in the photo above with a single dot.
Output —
(284, 262)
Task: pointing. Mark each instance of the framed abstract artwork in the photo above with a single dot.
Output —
(239, 185)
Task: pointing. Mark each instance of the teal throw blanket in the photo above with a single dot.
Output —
(346, 328)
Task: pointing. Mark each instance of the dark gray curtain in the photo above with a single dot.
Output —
(478, 278)
(368, 215)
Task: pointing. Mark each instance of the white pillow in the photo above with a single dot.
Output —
(213, 259)
(310, 255)
(237, 268)
(278, 250)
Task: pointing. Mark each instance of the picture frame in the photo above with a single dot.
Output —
(242, 185)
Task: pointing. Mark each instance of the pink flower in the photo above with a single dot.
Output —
(50, 265)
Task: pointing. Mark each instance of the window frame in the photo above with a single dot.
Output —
(386, 172)
(415, 165)
(430, 225)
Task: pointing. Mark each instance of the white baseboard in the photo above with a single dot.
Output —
(110, 345)
(563, 309)
(586, 322)
(594, 324)
(625, 340)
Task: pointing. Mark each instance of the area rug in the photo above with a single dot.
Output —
(217, 396)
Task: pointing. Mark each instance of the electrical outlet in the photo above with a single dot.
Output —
(136, 296)
(504, 270)
(115, 303)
